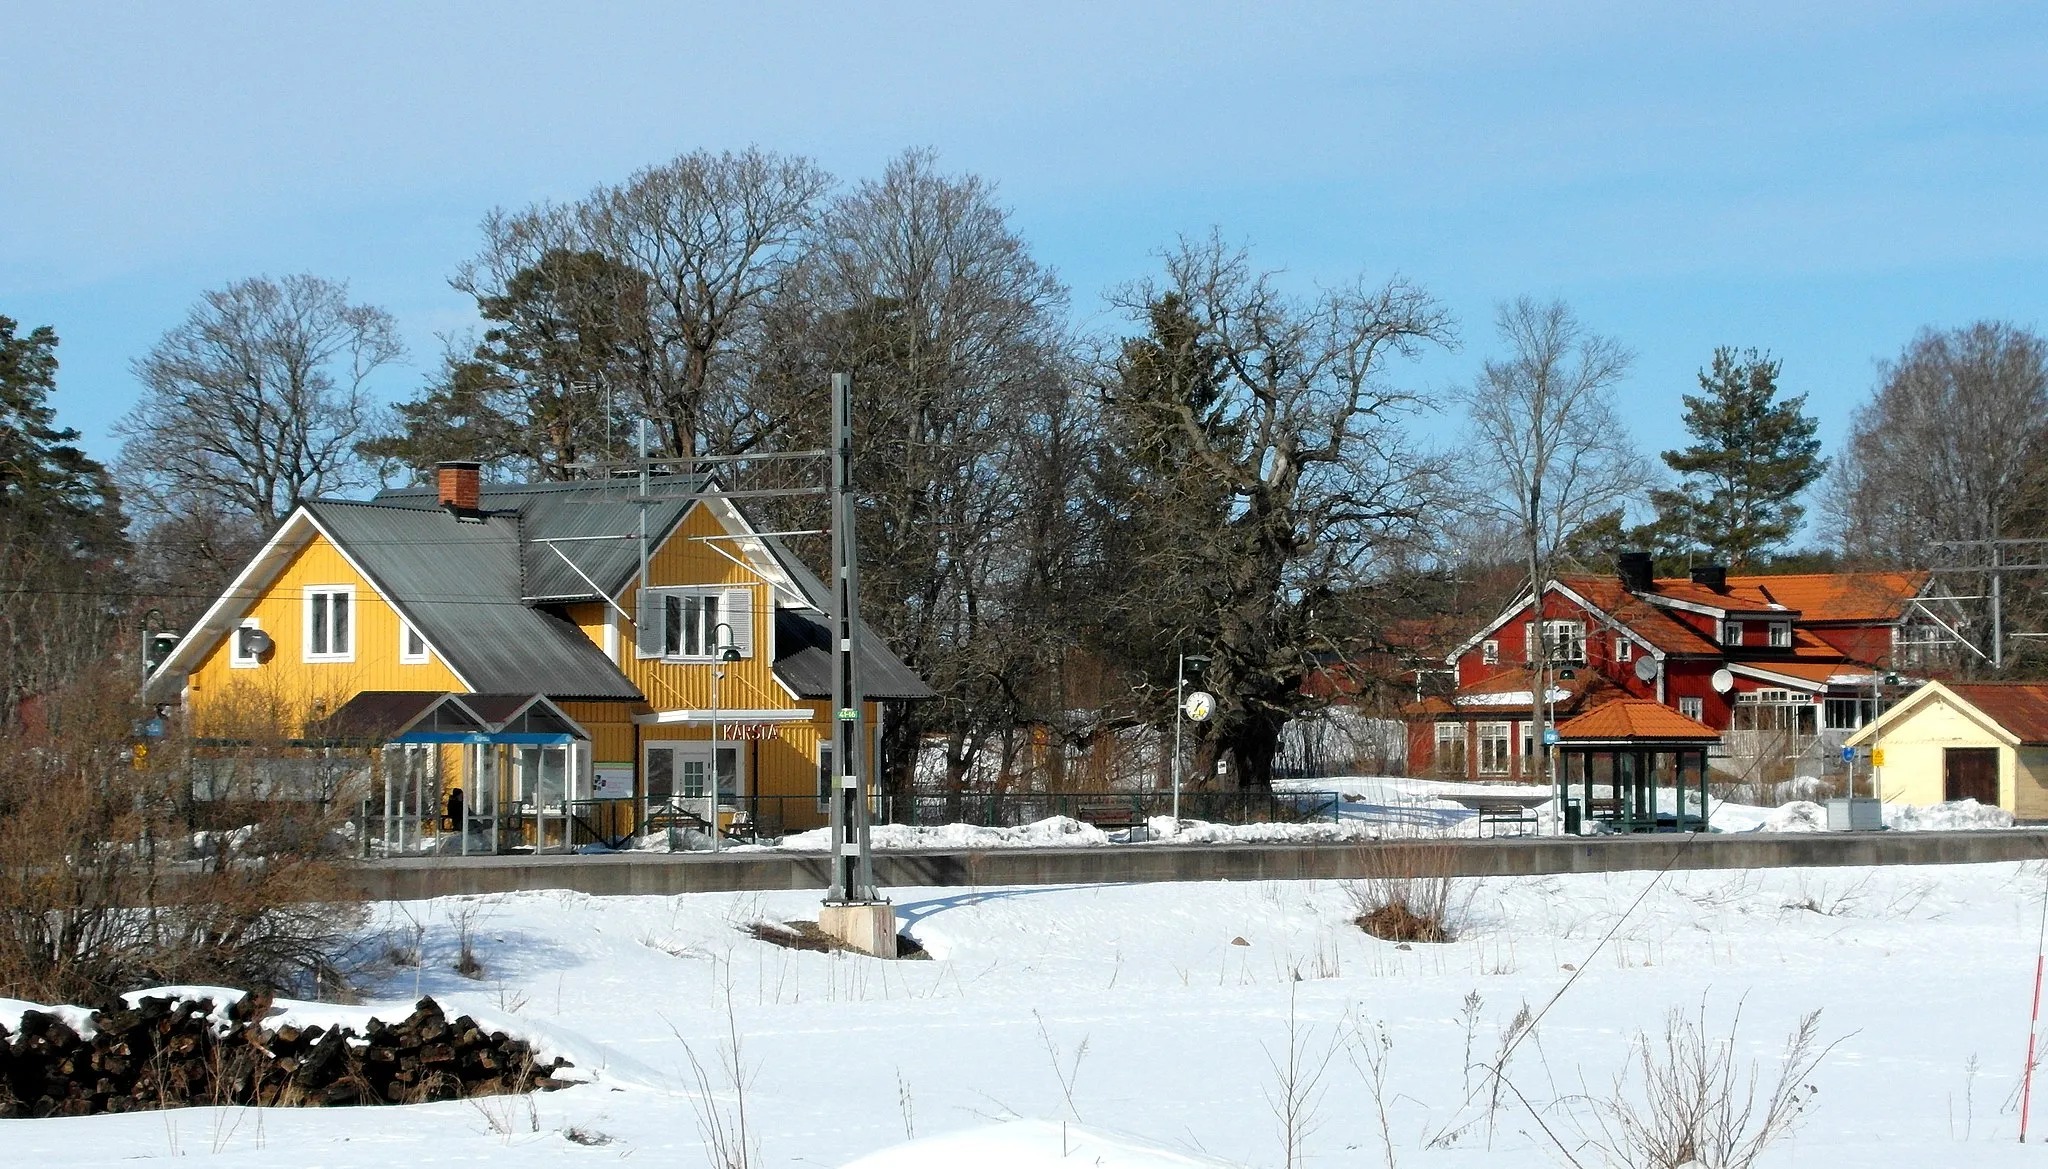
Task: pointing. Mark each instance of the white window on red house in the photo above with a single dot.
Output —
(1624, 649)
(1450, 748)
(1567, 641)
(1731, 633)
(1496, 740)
(1781, 634)
(1489, 652)
(1693, 708)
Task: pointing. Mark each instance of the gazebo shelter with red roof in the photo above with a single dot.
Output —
(1634, 747)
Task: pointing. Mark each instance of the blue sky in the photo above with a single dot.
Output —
(1818, 180)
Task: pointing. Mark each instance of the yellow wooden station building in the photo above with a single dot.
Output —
(515, 666)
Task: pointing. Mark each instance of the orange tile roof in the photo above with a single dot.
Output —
(1659, 628)
(1741, 593)
(1638, 719)
(2019, 707)
(1817, 596)
(1840, 596)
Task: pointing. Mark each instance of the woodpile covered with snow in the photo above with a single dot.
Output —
(173, 1053)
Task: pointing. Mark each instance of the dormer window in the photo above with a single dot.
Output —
(1781, 634)
(1731, 633)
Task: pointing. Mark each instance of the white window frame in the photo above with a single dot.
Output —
(1502, 734)
(1731, 633)
(733, 608)
(1566, 639)
(1624, 649)
(1489, 652)
(1693, 708)
(236, 660)
(406, 636)
(354, 622)
(1781, 635)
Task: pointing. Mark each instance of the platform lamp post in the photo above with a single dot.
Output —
(1180, 712)
(150, 640)
(723, 651)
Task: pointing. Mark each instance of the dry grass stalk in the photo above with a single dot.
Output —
(1408, 893)
(1689, 1101)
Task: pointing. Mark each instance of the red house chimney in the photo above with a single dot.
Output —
(460, 484)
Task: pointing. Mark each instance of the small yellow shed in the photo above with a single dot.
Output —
(1986, 741)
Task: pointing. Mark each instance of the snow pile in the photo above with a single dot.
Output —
(1797, 816)
(1053, 832)
(1949, 817)
(1162, 828)
(1030, 1144)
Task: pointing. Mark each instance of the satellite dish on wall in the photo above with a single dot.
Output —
(1646, 669)
(1723, 681)
(255, 642)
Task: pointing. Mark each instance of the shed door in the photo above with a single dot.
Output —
(1970, 773)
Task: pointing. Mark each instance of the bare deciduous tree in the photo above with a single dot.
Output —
(1950, 447)
(956, 339)
(1279, 476)
(256, 401)
(1549, 453)
(717, 236)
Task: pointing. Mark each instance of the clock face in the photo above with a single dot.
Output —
(1200, 705)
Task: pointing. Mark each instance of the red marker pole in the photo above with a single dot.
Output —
(2033, 1021)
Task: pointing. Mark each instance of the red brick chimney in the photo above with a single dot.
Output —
(460, 484)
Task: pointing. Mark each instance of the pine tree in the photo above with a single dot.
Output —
(1751, 457)
(49, 489)
(61, 533)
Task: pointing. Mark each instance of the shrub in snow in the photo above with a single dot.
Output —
(1409, 895)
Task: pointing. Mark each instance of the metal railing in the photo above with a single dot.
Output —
(766, 819)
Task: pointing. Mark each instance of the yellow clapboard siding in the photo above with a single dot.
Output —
(285, 678)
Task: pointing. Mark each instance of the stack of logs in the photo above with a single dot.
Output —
(166, 1053)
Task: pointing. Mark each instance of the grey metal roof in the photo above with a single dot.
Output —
(517, 517)
(803, 660)
(458, 582)
(378, 716)
(567, 511)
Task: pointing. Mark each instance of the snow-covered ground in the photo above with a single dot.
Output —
(1140, 1026)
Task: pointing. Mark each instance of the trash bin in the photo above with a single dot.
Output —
(1572, 816)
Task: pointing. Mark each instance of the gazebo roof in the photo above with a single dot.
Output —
(1635, 720)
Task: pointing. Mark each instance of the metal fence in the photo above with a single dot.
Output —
(765, 819)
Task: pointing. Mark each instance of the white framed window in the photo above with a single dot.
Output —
(242, 653)
(1693, 708)
(1781, 634)
(1489, 652)
(1496, 740)
(412, 647)
(1731, 633)
(330, 623)
(1450, 747)
(1567, 641)
(683, 623)
(1624, 649)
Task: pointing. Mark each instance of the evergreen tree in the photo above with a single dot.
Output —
(550, 386)
(60, 532)
(1751, 457)
(49, 489)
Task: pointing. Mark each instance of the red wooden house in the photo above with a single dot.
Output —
(1797, 657)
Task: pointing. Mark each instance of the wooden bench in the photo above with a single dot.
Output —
(1109, 811)
(1499, 813)
(1606, 809)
